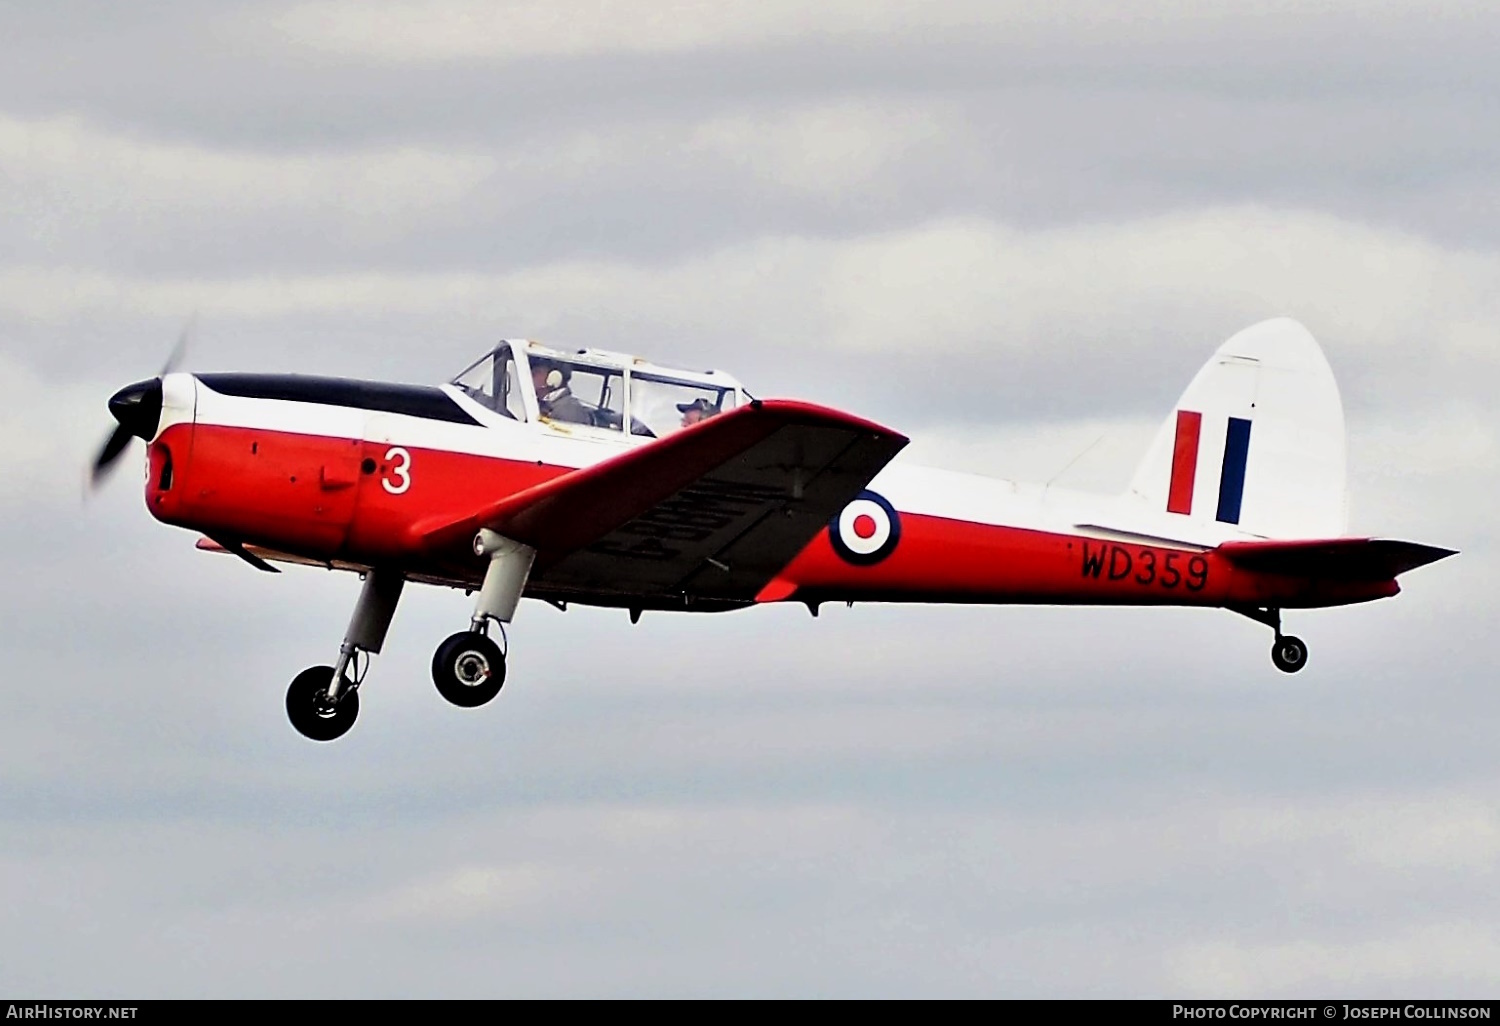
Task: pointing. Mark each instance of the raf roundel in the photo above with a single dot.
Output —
(866, 531)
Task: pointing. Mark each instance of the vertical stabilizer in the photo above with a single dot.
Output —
(1256, 442)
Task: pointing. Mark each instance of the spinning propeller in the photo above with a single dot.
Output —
(137, 410)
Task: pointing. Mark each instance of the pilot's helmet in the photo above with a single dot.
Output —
(556, 374)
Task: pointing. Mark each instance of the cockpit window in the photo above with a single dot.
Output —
(579, 393)
(664, 405)
(605, 391)
(492, 382)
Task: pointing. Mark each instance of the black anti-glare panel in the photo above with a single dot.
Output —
(410, 400)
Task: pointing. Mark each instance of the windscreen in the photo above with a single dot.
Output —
(492, 383)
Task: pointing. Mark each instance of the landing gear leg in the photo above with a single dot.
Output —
(323, 701)
(1288, 654)
(469, 668)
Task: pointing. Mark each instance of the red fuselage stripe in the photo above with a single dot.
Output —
(354, 501)
(1184, 462)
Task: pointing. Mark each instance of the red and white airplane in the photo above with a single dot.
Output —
(599, 478)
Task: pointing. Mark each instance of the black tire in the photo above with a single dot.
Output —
(310, 714)
(1289, 654)
(468, 669)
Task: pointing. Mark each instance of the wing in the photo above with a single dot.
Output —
(713, 511)
(1336, 559)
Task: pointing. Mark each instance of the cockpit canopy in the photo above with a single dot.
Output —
(594, 390)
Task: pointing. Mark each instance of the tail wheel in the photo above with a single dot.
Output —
(468, 669)
(308, 708)
(1289, 654)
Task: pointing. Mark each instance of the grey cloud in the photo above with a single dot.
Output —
(959, 320)
(1041, 143)
(1028, 157)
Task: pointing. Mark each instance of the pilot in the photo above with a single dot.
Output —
(554, 399)
(693, 412)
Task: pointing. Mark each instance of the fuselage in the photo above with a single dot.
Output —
(344, 474)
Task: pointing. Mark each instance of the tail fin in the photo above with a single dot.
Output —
(1256, 441)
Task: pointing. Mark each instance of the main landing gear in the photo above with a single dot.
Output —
(468, 668)
(313, 713)
(1288, 654)
(323, 701)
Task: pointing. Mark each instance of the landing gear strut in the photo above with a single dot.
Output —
(469, 668)
(1288, 654)
(323, 701)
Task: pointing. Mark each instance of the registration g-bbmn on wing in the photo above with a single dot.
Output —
(598, 478)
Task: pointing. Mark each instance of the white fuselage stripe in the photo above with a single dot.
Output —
(910, 489)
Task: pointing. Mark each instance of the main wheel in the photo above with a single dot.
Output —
(1289, 654)
(468, 669)
(308, 709)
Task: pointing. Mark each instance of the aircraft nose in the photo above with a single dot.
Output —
(138, 408)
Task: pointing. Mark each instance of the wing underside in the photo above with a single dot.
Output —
(713, 512)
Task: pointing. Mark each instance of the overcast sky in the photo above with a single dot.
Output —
(1008, 229)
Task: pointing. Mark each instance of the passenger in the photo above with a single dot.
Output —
(554, 399)
(695, 411)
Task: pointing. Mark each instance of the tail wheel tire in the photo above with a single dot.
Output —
(468, 669)
(308, 708)
(1289, 654)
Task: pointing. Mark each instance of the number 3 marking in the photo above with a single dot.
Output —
(402, 472)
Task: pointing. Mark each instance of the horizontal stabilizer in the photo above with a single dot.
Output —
(1336, 559)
